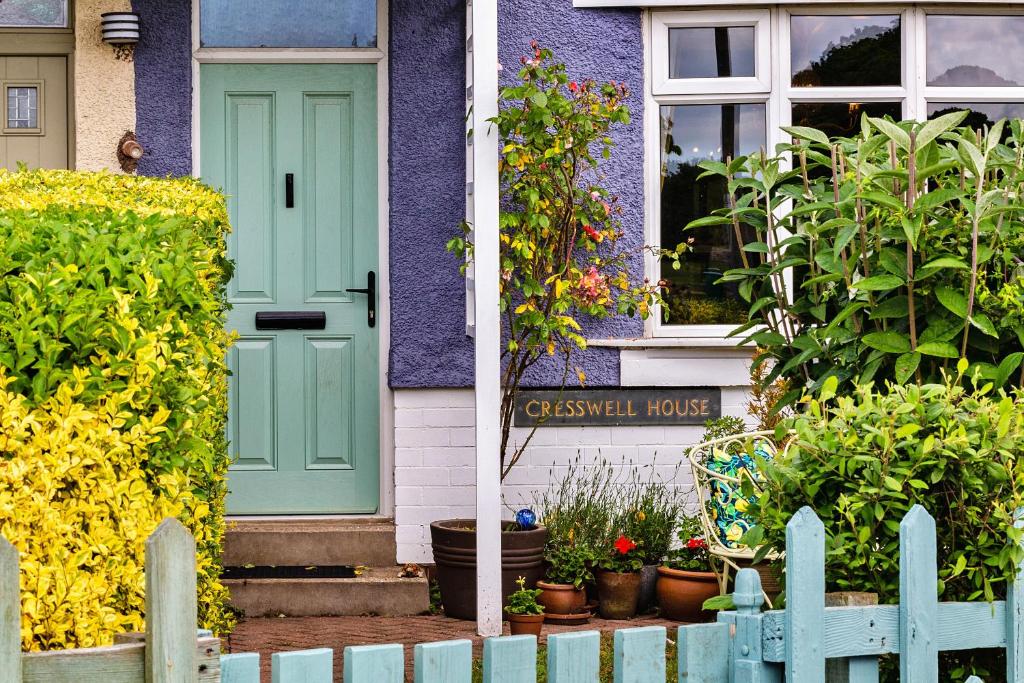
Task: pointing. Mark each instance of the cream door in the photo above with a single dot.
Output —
(34, 107)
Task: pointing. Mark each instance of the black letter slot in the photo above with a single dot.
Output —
(291, 320)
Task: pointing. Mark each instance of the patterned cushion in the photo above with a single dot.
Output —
(728, 506)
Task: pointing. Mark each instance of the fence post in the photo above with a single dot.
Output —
(574, 657)
(10, 613)
(748, 665)
(639, 654)
(445, 662)
(512, 659)
(919, 600)
(805, 598)
(1015, 619)
(374, 664)
(171, 611)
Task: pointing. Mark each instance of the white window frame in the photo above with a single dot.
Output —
(663, 22)
(913, 92)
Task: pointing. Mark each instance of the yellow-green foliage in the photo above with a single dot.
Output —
(112, 343)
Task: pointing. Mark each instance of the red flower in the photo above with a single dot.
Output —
(573, 86)
(696, 543)
(624, 545)
(594, 234)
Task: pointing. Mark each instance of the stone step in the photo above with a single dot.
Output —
(376, 591)
(303, 542)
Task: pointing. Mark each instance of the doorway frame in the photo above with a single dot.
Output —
(379, 57)
(49, 42)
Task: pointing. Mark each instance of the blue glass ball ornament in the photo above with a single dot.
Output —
(526, 519)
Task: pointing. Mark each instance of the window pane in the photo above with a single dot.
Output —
(711, 52)
(842, 119)
(23, 107)
(975, 50)
(289, 23)
(982, 113)
(691, 134)
(831, 50)
(34, 13)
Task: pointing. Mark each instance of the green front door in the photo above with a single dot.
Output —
(295, 149)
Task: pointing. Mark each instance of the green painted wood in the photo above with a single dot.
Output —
(1014, 620)
(574, 657)
(303, 409)
(639, 654)
(10, 613)
(374, 664)
(703, 653)
(805, 598)
(446, 662)
(919, 652)
(243, 667)
(171, 609)
(512, 659)
(303, 666)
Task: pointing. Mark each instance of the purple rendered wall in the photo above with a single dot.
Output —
(429, 347)
(163, 86)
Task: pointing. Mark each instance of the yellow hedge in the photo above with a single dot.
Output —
(112, 348)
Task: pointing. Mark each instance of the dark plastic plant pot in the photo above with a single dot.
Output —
(454, 544)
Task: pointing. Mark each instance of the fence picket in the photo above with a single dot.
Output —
(446, 662)
(10, 613)
(303, 666)
(805, 598)
(243, 667)
(512, 659)
(639, 654)
(374, 664)
(574, 657)
(1015, 619)
(919, 655)
(861, 670)
(171, 610)
(747, 643)
(703, 651)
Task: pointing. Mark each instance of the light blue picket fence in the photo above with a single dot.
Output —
(744, 646)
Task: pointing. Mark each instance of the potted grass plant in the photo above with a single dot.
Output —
(686, 580)
(618, 582)
(525, 615)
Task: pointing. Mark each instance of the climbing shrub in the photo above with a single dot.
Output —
(112, 353)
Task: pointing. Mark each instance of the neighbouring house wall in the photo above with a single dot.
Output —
(104, 89)
(163, 86)
(427, 64)
(435, 472)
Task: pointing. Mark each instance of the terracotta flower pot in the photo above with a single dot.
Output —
(619, 594)
(561, 598)
(681, 594)
(525, 624)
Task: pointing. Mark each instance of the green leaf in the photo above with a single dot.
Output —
(906, 366)
(982, 322)
(807, 133)
(939, 125)
(878, 282)
(1007, 367)
(539, 98)
(940, 349)
(946, 262)
(892, 131)
(953, 300)
(706, 221)
(890, 342)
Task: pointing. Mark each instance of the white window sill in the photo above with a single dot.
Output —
(669, 343)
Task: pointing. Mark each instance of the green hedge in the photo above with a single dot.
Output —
(115, 287)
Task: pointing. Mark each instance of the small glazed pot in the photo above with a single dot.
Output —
(648, 595)
(525, 624)
(681, 594)
(619, 594)
(561, 598)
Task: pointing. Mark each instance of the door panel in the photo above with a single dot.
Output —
(304, 403)
(36, 132)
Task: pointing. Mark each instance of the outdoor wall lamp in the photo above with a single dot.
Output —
(120, 29)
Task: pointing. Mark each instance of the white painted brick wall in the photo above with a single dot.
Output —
(434, 458)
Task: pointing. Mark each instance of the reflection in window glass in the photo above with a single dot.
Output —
(23, 107)
(842, 119)
(288, 23)
(691, 134)
(34, 13)
(982, 113)
(711, 52)
(975, 50)
(835, 50)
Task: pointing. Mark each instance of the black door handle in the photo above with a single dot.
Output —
(371, 298)
(289, 190)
